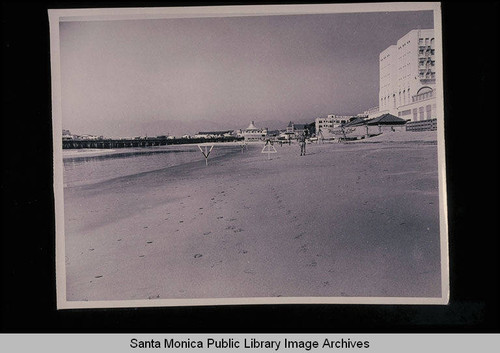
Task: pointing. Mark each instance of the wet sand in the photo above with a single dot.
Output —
(349, 220)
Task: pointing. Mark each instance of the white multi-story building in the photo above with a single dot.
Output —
(408, 77)
(325, 126)
(331, 121)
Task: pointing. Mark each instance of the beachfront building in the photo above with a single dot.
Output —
(214, 134)
(370, 113)
(66, 135)
(385, 123)
(325, 127)
(84, 137)
(253, 133)
(408, 77)
(359, 127)
(323, 124)
(294, 130)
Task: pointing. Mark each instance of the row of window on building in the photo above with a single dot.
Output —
(426, 52)
(426, 74)
(426, 41)
(401, 98)
(419, 114)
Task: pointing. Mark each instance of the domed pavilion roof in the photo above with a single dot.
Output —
(252, 126)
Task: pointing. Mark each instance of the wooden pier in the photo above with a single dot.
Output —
(143, 142)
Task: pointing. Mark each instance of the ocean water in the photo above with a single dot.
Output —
(85, 167)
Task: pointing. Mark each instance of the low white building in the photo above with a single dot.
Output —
(214, 134)
(360, 127)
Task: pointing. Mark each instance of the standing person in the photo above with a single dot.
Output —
(302, 143)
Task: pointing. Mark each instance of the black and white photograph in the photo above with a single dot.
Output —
(271, 154)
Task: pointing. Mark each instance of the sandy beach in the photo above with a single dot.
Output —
(357, 219)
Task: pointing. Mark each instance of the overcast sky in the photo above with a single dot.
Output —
(224, 69)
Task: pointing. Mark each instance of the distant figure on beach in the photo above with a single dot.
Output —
(302, 143)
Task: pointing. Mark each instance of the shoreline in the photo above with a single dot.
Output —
(93, 152)
(346, 220)
(166, 169)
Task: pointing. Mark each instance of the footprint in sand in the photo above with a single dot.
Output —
(215, 264)
(303, 248)
(312, 264)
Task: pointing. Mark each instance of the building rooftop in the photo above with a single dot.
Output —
(252, 126)
(215, 132)
(386, 119)
(357, 122)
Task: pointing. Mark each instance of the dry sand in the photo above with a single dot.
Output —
(344, 220)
